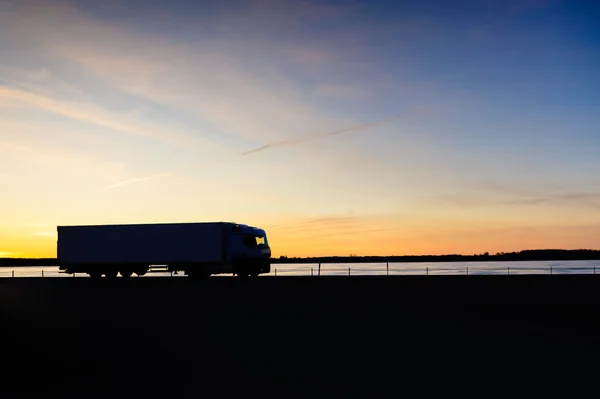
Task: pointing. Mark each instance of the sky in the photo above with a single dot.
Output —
(340, 127)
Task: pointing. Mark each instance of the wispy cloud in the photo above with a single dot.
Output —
(38, 80)
(140, 179)
(362, 232)
(212, 83)
(299, 227)
(497, 194)
(161, 175)
(213, 86)
(51, 158)
(87, 112)
(583, 199)
(317, 222)
(215, 79)
(44, 234)
(44, 225)
(311, 228)
(343, 92)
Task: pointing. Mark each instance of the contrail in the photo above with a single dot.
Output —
(320, 136)
(158, 175)
(139, 179)
(155, 176)
(266, 147)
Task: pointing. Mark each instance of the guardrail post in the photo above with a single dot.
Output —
(13, 274)
(508, 269)
(42, 273)
(387, 269)
(275, 272)
(348, 271)
(311, 272)
(467, 270)
(550, 269)
(319, 272)
(427, 271)
(594, 269)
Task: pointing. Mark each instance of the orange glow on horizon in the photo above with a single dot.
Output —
(382, 242)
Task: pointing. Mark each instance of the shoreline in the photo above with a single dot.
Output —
(522, 256)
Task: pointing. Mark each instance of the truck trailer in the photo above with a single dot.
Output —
(197, 249)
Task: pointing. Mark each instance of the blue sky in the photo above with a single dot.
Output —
(138, 111)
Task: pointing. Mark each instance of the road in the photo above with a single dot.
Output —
(299, 336)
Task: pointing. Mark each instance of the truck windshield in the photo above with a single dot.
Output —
(253, 241)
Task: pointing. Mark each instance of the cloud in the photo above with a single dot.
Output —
(589, 199)
(317, 223)
(497, 194)
(161, 175)
(37, 80)
(44, 234)
(238, 90)
(575, 197)
(242, 86)
(40, 225)
(212, 85)
(93, 114)
(316, 228)
(87, 113)
(50, 158)
(139, 179)
(218, 92)
(342, 92)
(360, 231)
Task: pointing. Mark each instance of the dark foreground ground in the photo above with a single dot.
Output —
(406, 336)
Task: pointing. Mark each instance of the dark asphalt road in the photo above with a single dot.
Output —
(299, 336)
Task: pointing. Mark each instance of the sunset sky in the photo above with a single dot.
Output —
(460, 126)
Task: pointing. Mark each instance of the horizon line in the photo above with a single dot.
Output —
(384, 256)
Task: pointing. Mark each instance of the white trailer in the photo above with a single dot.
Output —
(197, 249)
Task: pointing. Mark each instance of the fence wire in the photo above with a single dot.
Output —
(282, 270)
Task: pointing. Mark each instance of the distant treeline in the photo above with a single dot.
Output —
(527, 255)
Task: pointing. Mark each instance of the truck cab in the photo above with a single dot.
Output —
(249, 250)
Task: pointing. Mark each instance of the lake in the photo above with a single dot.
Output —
(373, 269)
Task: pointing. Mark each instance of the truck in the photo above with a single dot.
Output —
(197, 249)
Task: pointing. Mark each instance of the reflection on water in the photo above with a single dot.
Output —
(436, 268)
(373, 269)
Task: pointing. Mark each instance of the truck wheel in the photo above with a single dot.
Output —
(95, 275)
(140, 272)
(242, 274)
(126, 273)
(254, 274)
(111, 274)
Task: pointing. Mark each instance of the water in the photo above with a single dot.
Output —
(371, 269)
(437, 268)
